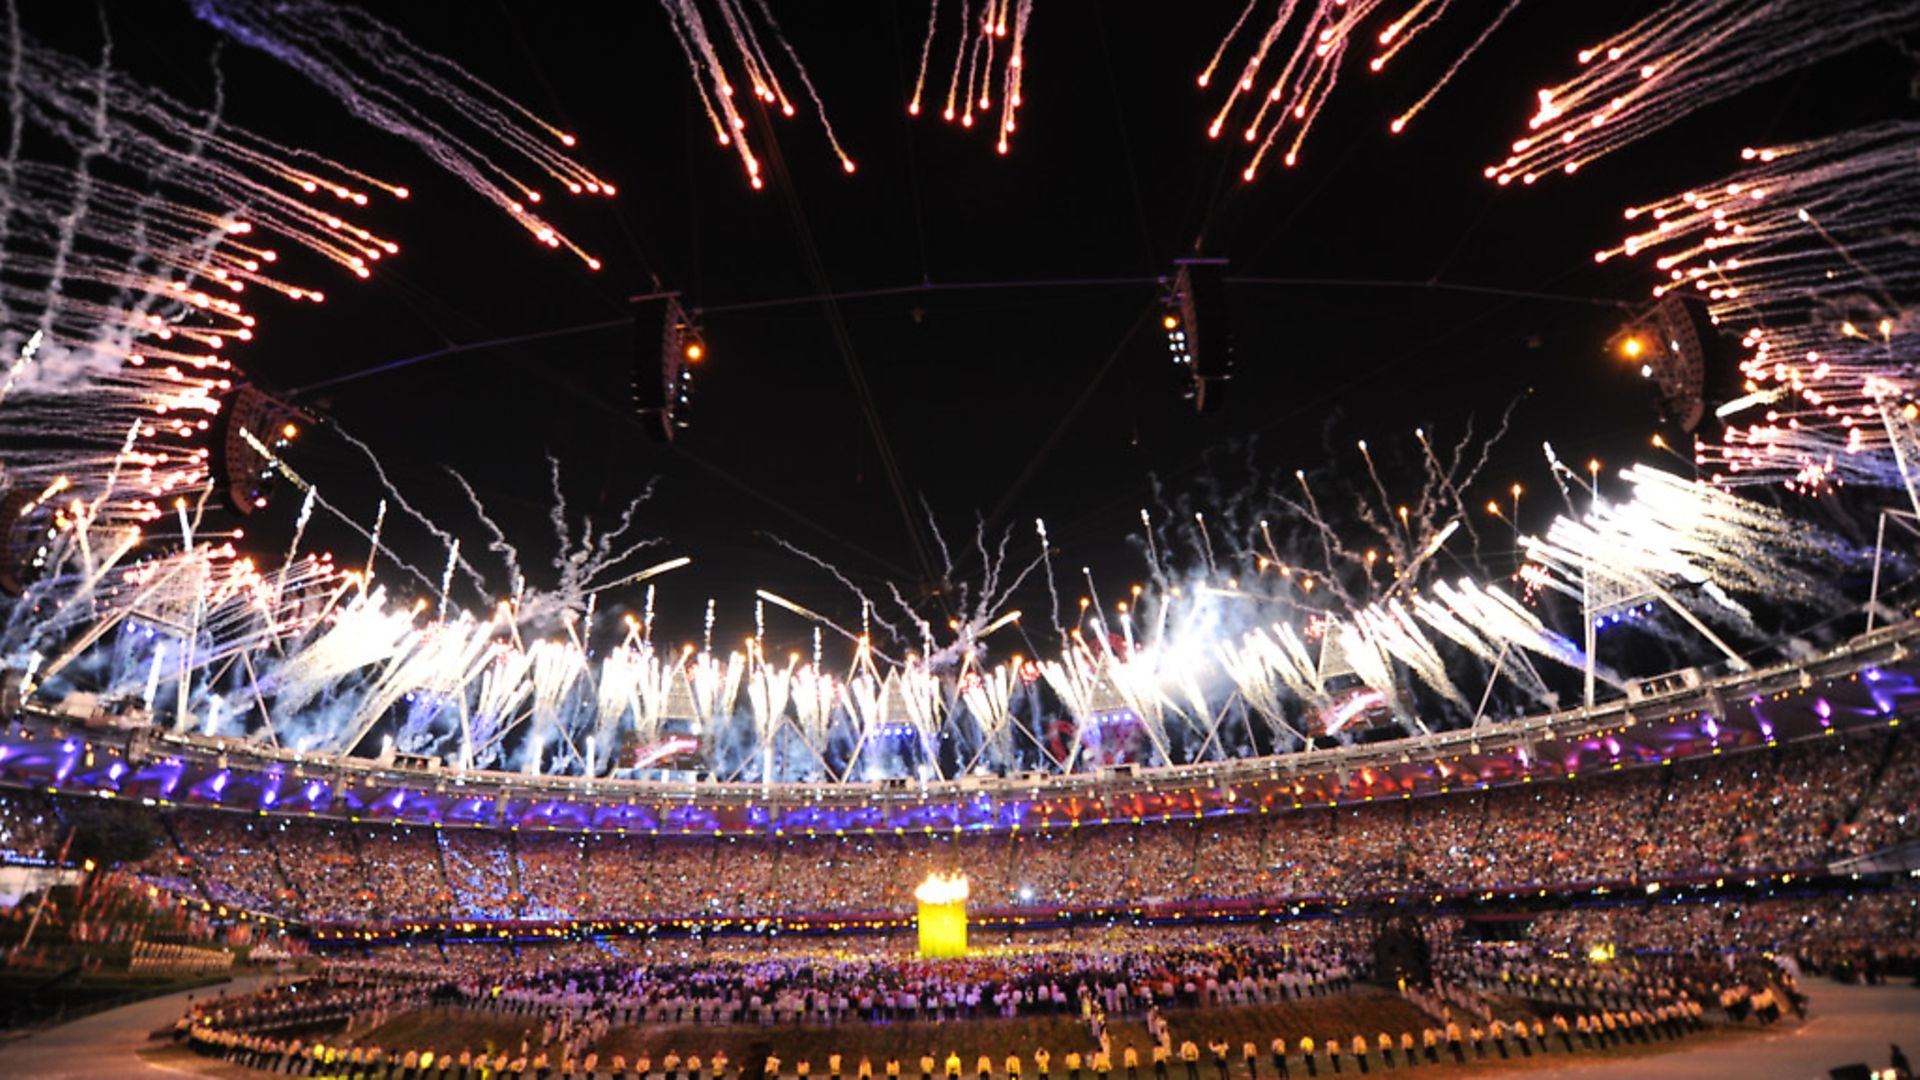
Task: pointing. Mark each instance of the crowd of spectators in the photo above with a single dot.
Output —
(321, 862)
(231, 857)
(1791, 808)
(479, 872)
(549, 874)
(30, 831)
(405, 874)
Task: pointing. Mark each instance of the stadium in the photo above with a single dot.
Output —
(1346, 665)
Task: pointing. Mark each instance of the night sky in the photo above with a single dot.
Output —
(988, 397)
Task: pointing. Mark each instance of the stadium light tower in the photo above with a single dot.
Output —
(1199, 336)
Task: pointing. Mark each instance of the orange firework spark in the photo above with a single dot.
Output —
(1314, 36)
(993, 27)
(715, 86)
(1685, 56)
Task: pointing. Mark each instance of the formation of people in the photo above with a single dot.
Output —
(1449, 1042)
(1054, 977)
(566, 1002)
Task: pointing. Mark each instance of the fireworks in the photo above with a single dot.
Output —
(466, 127)
(1802, 255)
(1299, 59)
(1681, 58)
(316, 660)
(982, 32)
(1678, 537)
(127, 264)
(120, 296)
(756, 68)
(124, 269)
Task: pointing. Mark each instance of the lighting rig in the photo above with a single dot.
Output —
(1198, 333)
(668, 347)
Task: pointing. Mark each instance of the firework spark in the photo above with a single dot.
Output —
(1802, 255)
(466, 127)
(1300, 56)
(716, 83)
(1683, 57)
(980, 32)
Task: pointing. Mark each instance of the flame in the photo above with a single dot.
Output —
(943, 889)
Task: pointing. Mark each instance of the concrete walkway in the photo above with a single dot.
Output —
(106, 1045)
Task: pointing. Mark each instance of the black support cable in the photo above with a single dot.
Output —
(840, 296)
(843, 342)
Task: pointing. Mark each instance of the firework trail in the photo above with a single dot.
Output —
(1683, 57)
(979, 32)
(406, 91)
(975, 609)
(1074, 679)
(769, 689)
(869, 703)
(988, 696)
(1299, 58)
(1804, 255)
(715, 684)
(716, 82)
(1680, 538)
(117, 305)
(1053, 589)
(869, 609)
(815, 696)
(1381, 538)
(445, 538)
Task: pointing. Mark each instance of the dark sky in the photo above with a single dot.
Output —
(1110, 177)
